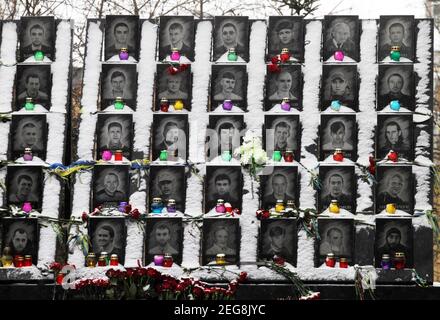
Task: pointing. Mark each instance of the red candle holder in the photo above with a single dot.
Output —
(27, 261)
(278, 260)
(114, 261)
(343, 263)
(102, 262)
(285, 55)
(393, 156)
(338, 155)
(118, 155)
(59, 278)
(18, 261)
(330, 261)
(164, 105)
(168, 261)
(399, 260)
(288, 156)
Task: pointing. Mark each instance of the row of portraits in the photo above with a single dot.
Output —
(229, 82)
(164, 235)
(339, 33)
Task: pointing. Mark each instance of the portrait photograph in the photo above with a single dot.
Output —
(338, 132)
(220, 236)
(282, 133)
(341, 33)
(33, 81)
(170, 133)
(338, 183)
(396, 82)
(223, 182)
(21, 235)
(278, 183)
(337, 237)
(278, 237)
(394, 185)
(396, 31)
(286, 32)
(176, 33)
(118, 80)
(111, 185)
(168, 182)
(121, 31)
(108, 234)
(28, 131)
(395, 132)
(37, 34)
(284, 84)
(228, 83)
(339, 82)
(24, 184)
(114, 132)
(163, 236)
(394, 235)
(224, 133)
(231, 33)
(173, 86)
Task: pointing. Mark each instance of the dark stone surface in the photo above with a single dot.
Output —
(423, 252)
(364, 245)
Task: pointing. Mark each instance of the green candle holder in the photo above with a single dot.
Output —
(226, 156)
(119, 103)
(232, 55)
(38, 55)
(29, 104)
(163, 156)
(395, 53)
(277, 156)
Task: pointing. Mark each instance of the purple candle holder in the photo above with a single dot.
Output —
(123, 54)
(339, 55)
(227, 105)
(175, 55)
(107, 155)
(285, 105)
(27, 207)
(158, 260)
(28, 154)
(122, 206)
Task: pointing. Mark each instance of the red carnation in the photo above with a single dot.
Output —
(229, 293)
(274, 60)
(243, 276)
(56, 266)
(111, 273)
(166, 285)
(84, 217)
(183, 67)
(372, 169)
(172, 70)
(266, 214)
(135, 214)
(197, 291)
(274, 68)
(153, 273)
(128, 208)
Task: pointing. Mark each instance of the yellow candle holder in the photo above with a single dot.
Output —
(178, 105)
(279, 207)
(391, 208)
(334, 207)
(220, 258)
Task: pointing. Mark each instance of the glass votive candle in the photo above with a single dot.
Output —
(59, 278)
(27, 261)
(106, 155)
(28, 154)
(232, 55)
(7, 258)
(114, 261)
(167, 260)
(285, 55)
(330, 260)
(334, 207)
(290, 206)
(29, 104)
(399, 260)
(38, 55)
(91, 260)
(163, 156)
(276, 156)
(171, 206)
(279, 207)
(175, 54)
(220, 207)
(27, 207)
(157, 205)
(226, 155)
(285, 104)
(288, 156)
(386, 262)
(338, 155)
(343, 263)
(102, 262)
(18, 261)
(278, 260)
(227, 105)
(164, 105)
(390, 208)
(395, 53)
(228, 207)
(158, 260)
(119, 103)
(123, 54)
(220, 258)
(178, 105)
(118, 155)
(122, 205)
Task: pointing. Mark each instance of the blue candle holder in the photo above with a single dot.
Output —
(336, 105)
(395, 105)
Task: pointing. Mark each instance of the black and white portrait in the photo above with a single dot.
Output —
(114, 132)
(396, 83)
(338, 183)
(33, 81)
(176, 32)
(282, 133)
(28, 131)
(286, 32)
(338, 132)
(37, 34)
(220, 236)
(278, 183)
(337, 237)
(231, 33)
(278, 237)
(396, 31)
(111, 185)
(21, 235)
(118, 80)
(108, 234)
(121, 32)
(339, 82)
(170, 133)
(223, 182)
(24, 184)
(224, 133)
(395, 133)
(168, 182)
(284, 84)
(394, 185)
(228, 83)
(163, 236)
(341, 33)
(173, 86)
(394, 235)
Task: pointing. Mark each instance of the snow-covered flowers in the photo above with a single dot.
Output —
(251, 152)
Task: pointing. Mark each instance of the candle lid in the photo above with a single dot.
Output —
(280, 201)
(29, 99)
(385, 256)
(231, 50)
(399, 255)
(285, 50)
(175, 50)
(124, 49)
(289, 151)
(342, 259)
(104, 253)
(220, 201)
(220, 255)
(114, 256)
(168, 256)
(20, 258)
(91, 255)
(334, 201)
(157, 199)
(171, 201)
(395, 48)
(338, 150)
(164, 100)
(28, 256)
(330, 255)
(118, 99)
(286, 99)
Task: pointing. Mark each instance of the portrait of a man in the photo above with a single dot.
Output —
(228, 82)
(282, 133)
(28, 131)
(24, 184)
(284, 84)
(396, 31)
(338, 184)
(339, 83)
(176, 32)
(338, 132)
(395, 133)
(21, 236)
(337, 237)
(110, 184)
(38, 34)
(118, 81)
(223, 134)
(280, 184)
(231, 33)
(114, 132)
(33, 82)
(396, 83)
(220, 236)
(164, 236)
(121, 32)
(341, 33)
(170, 134)
(173, 86)
(278, 237)
(223, 182)
(394, 185)
(394, 235)
(108, 235)
(286, 32)
(168, 182)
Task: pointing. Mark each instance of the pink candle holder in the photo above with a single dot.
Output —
(175, 55)
(106, 155)
(158, 260)
(339, 55)
(27, 207)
